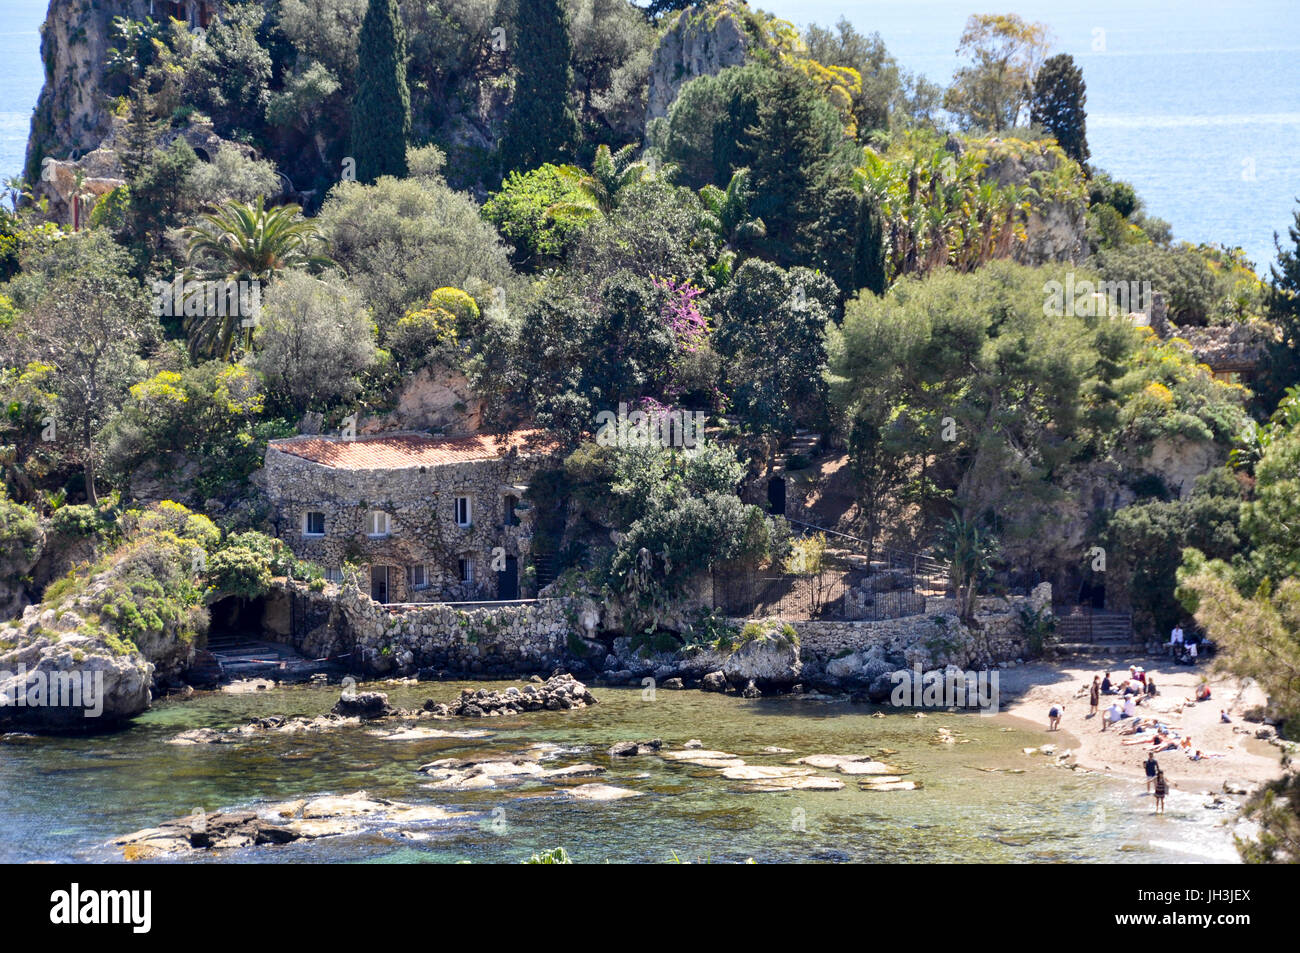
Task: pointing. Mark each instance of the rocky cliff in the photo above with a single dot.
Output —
(698, 43)
(72, 114)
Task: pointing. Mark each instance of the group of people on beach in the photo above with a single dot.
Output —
(1134, 690)
(1152, 732)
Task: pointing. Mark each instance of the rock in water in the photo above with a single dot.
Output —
(364, 705)
(770, 662)
(630, 749)
(714, 682)
(558, 693)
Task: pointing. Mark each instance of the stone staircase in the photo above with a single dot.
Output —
(1093, 629)
(804, 442)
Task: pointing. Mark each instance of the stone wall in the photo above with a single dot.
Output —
(375, 640)
(539, 637)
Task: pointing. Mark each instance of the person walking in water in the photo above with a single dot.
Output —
(1094, 695)
(1152, 767)
(1161, 791)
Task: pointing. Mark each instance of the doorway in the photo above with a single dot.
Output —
(379, 583)
(508, 580)
(776, 496)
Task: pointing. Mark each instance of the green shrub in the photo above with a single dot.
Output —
(239, 571)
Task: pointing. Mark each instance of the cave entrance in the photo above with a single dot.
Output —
(235, 621)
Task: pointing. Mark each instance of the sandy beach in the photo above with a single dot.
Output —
(1032, 689)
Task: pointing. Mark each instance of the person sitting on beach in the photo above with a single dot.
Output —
(1094, 695)
(1161, 791)
(1106, 688)
(1223, 717)
(1202, 693)
(1151, 686)
(1130, 708)
(1152, 766)
(1113, 715)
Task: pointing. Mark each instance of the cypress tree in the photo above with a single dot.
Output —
(381, 108)
(542, 126)
(140, 133)
(869, 249)
(789, 147)
(1057, 105)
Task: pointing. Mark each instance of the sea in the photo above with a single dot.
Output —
(1197, 103)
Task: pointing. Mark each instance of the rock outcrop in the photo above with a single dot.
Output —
(769, 663)
(558, 693)
(61, 676)
(702, 42)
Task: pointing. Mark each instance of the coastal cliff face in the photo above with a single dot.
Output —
(72, 113)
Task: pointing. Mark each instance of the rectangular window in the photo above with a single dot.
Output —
(313, 524)
(466, 566)
(377, 523)
(508, 505)
(464, 511)
(334, 574)
(417, 577)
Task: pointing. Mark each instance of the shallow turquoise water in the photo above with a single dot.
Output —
(64, 798)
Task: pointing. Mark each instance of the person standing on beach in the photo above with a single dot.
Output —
(1176, 640)
(1161, 791)
(1094, 695)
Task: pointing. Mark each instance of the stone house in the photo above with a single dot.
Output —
(427, 519)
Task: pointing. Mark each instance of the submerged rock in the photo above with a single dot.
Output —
(888, 784)
(600, 792)
(630, 749)
(279, 823)
(809, 783)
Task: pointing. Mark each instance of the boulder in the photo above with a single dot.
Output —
(630, 749)
(714, 682)
(364, 705)
(699, 43)
(69, 683)
(769, 662)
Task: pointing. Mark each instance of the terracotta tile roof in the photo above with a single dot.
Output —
(396, 451)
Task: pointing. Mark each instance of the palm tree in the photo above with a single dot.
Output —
(727, 216)
(244, 242)
(969, 552)
(611, 172)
